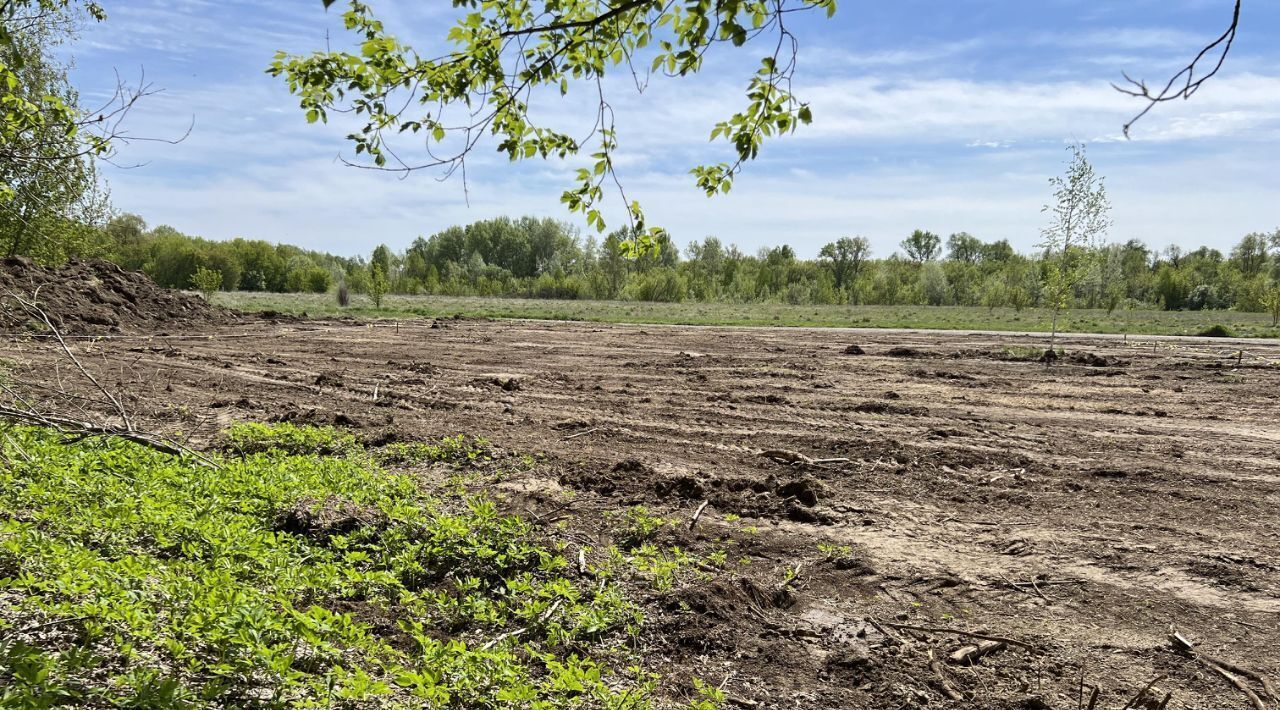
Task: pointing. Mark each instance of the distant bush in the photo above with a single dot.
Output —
(344, 296)
(661, 285)
(309, 280)
(1217, 331)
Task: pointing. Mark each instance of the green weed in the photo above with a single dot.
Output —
(286, 438)
(133, 579)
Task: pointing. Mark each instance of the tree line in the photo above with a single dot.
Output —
(531, 257)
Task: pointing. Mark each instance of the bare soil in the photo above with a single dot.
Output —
(1080, 508)
(95, 296)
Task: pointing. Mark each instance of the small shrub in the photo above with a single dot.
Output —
(206, 281)
(378, 285)
(638, 527)
(344, 296)
(456, 450)
(1217, 331)
(1271, 301)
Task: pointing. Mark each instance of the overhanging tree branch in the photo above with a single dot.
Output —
(1185, 83)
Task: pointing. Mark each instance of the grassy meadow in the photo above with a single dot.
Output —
(764, 314)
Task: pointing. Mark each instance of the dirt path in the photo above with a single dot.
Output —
(1138, 491)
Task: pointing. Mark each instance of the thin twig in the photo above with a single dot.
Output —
(962, 632)
(542, 619)
(581, 433)
(33, 309)
(1142, 693)
(947, 689)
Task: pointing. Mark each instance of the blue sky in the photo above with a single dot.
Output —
(947, 116)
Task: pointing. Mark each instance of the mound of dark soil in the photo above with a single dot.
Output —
(1217, 331)
(95, 297)
(907, 352)
(1085, 358)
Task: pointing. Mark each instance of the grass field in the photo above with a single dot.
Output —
(765, 314)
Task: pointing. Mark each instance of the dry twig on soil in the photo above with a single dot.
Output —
(698, 514)
(1228, 670)
(581, 433)
(27, 413)
(962, 632)
(947, 689)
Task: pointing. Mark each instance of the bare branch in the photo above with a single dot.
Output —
(1185, 83)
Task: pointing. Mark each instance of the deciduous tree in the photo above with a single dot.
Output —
(1079, 218)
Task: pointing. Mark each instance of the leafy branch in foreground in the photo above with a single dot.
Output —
(505, 53)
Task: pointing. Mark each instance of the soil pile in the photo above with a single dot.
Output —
(95, 297)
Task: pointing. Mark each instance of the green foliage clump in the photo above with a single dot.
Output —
(378, 285)
(287, 438)
(129, 578)
(458, 450)
(206, 281)
(638, 526)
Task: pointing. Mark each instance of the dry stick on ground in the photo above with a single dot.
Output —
(793, 457)
(1093, 697)
(698, 514)
(962, 632)
(73, 426)
(971, 654)
(38, 627)
(791, 578)
(1142, 693)
(947, 689)
(581, 433)
(542, 619)
(29, 415)
(34, 310)
(1221, 667)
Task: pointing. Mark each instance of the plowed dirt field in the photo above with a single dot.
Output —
(1079, 510)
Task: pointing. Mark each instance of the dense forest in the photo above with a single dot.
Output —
(543, 258)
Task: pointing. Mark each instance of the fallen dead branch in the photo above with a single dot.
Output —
(968, 655)
(947, 689)
(792, 577)
(32, 309)
(962, 632)
(1143, 693)
(542, 619)
(86, 429)
(581, 433)
(78, 429)
(1228, 670)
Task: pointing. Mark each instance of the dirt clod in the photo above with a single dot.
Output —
(321, 520)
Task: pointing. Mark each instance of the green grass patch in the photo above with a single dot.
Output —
(287, 577)
(1135, 322)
